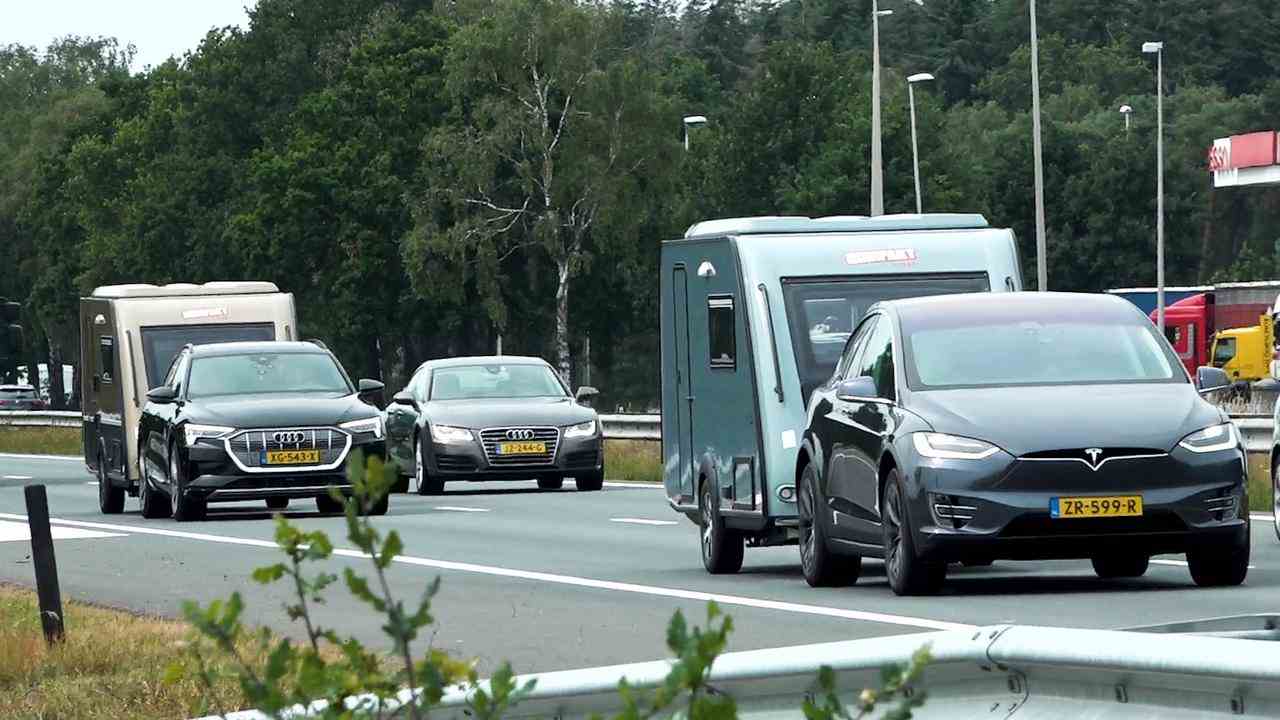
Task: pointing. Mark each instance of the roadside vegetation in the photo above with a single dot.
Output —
(633, 461)
(41, 440)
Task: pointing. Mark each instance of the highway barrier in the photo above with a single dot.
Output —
(40, 418)
(1004, 671)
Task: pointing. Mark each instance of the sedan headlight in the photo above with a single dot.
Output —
(951, 447)
(367, 425)
(1211, 439)
(586, 429)
(193, 432)
(446, 434)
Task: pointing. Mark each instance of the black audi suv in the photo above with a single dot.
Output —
(969, 428)
(494, 418)
(266, 421)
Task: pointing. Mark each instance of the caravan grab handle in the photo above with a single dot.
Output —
(773, 341)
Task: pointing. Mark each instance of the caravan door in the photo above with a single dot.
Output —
(684, 390)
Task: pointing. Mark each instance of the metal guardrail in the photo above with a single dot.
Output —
(40, 418)
(632, 427)
(988, 672)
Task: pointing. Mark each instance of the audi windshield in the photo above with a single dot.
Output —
(471, 382)
(267, 373)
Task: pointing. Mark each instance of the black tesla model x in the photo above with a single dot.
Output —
(969, 428)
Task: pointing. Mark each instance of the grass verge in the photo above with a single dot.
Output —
(1260, 482)
(633, 460)
(111, 665)
(40, 440)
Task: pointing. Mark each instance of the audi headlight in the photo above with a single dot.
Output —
(1211, 439)
(951, 447)
(193, 432)
(447, 434)
(367, 425)
(586, 429)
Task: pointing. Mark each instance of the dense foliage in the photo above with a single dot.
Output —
(429, 177)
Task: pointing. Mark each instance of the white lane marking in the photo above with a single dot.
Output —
(1176, 563)
(635, 485)
(1262, 516)
(642, 521)
(459, 508)
(17, 477)
(19, 531)
(653, 590)
(61, 458)
(93, 483)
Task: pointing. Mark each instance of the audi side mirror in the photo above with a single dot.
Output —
(586, 395)
(1211, 379)
(855, 389)
(162, 394)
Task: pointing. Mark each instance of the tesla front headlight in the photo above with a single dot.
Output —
(367, 425)
(193, 432)
(447, 434)
(951, 447)
(586, 429)
(1211, 439)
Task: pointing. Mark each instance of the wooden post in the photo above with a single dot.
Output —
(45, 564)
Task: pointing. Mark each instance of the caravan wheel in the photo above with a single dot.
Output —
(722, 547)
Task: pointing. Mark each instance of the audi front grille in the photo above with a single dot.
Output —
(248, 448)
(493, 437)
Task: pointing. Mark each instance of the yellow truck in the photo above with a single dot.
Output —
(1246, 353)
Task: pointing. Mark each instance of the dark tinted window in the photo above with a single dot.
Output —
(823, 312)
(18, 393)
(846, 369)
(160, 345)
(1223, 350)
(264, 373)
(107, 359)
(466, 382)
(876, 361)
(720, 332)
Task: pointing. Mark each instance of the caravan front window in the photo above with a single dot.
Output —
(160, 345)
(822, 312)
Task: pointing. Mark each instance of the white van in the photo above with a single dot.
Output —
(129, 335)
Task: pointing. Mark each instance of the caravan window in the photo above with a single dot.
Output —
(106, 359)
(822, 312)
(720, 332)
(160, 345)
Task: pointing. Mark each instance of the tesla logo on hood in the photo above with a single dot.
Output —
(1094, 454)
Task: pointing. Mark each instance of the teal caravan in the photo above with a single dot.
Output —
(755, 313)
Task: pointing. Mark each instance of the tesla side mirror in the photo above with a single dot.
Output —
(586, 394)
(370, 386)
(1211, 379)
(404, 397)
(859, 388)
(162, 394)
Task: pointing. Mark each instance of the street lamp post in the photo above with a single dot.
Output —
(1042, 271)
(915, 149)
(692, 121)
(1157, 48)
(1126, 111)
(877, 172)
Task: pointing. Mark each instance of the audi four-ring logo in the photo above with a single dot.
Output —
(292, 437)
(520, 435)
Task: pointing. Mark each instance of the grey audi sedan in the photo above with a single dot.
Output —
(968, 428)
(494, 418)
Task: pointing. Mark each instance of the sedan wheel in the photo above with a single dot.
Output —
(1275, 496)
(423, 483)
(820, 565)
(184, 507)
(154, 503)
(907, 573)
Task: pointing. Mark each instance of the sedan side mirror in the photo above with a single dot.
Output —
(371, 392)
(586, 394)
(162, 394)
(1211, 379)
(369, 386)
(854, 389)
(404, 397)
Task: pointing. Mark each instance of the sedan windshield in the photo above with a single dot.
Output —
(266, 373)
(943, 353)
(494, 381)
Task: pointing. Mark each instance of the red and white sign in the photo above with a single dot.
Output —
(866, 257)
(1249, 159)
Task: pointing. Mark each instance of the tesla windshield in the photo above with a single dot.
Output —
(266, 373)
(494, 381)
(951, 352)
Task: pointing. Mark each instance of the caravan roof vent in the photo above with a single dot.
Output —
(785, 225)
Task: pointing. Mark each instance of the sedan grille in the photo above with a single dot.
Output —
(494, 438)
(250, 447)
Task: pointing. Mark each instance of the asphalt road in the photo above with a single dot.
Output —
(559, 580)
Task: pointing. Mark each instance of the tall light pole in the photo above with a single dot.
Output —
(1042, 271)
(1126, 111)
(1157, 49)
(692, 121)
(877, 172)
(915, 149)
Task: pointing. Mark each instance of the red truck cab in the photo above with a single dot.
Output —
(1189, 326)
